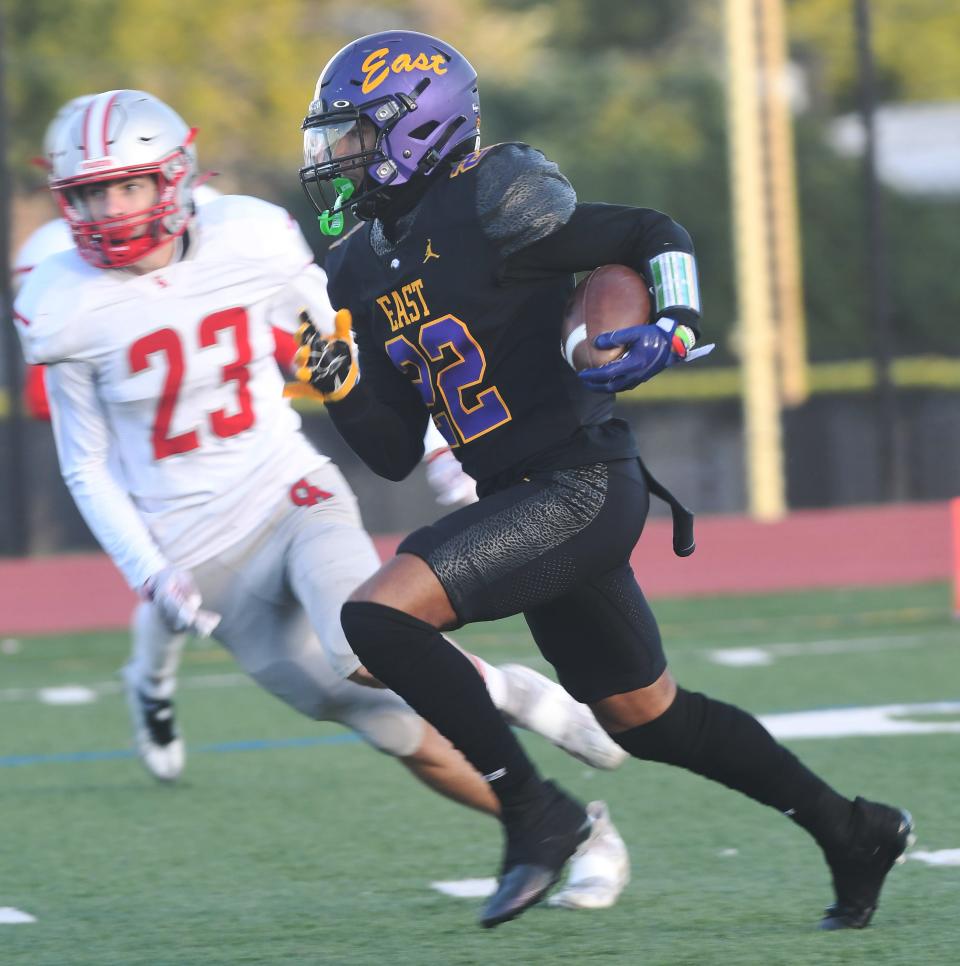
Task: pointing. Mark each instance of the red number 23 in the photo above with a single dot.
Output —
(167, 342)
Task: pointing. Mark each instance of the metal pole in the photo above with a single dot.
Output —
(889, 444)
(14, 535)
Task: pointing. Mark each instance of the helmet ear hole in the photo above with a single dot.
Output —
(451, 129)
(424, 131)
(435, 154)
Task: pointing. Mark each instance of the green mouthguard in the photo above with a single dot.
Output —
(331, 220)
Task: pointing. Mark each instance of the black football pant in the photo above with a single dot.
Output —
(556, 547)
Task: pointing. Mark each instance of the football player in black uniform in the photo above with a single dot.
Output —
(456, 281)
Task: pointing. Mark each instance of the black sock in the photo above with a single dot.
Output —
(442, 685)
(727, 745)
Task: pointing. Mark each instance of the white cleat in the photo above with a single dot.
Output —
(599, 869)
(540, 705)
(155, 737)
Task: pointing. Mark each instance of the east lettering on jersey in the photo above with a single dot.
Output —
(405, 305)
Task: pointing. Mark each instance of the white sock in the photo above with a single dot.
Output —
(494, 679)
(155, 653)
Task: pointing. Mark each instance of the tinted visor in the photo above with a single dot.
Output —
(331, 141)
(340, 146)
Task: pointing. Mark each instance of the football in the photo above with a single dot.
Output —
(610, 297)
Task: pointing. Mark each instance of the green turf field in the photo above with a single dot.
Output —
(279, 848)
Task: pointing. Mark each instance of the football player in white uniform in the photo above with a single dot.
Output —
(150, 675)
(189, 466)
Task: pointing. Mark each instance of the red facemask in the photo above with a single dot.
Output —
(110, 242)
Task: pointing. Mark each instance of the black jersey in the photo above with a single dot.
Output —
(443, 327)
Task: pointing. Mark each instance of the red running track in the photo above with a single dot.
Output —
(870, 546)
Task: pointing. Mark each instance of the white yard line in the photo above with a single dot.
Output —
(893, 719)
(14, 917)
(466, 888)
(764, 654)
(939, 857)
(481, 888)
(62, 693)
(887, 719)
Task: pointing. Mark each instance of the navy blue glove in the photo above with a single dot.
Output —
(650, 349)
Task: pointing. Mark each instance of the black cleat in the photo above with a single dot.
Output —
(537, 850)
(879, 835)
(155, 735)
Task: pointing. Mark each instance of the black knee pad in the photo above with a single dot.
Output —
(442, 685)
(374, 629)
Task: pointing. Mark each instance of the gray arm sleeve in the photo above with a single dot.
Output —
(521, 197)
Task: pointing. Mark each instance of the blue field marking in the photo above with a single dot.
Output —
(259, 744)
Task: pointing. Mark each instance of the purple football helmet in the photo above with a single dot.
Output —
(387, 108)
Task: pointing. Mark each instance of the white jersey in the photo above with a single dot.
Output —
(47, 240)
(168, 411)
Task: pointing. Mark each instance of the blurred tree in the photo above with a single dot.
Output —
(610, 25)
(915, 45)
(240, 70)
(626, 97)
